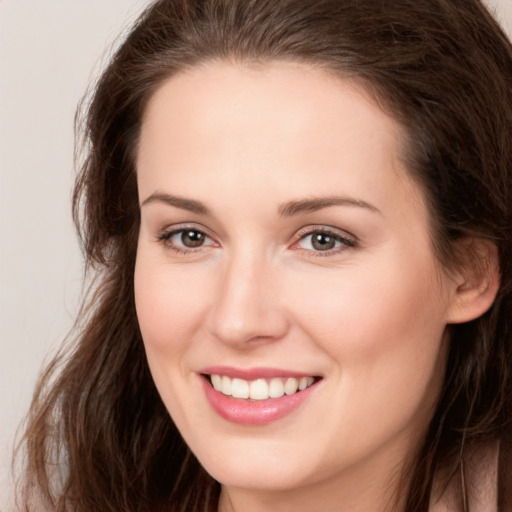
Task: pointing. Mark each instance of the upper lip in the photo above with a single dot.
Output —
(255, 373)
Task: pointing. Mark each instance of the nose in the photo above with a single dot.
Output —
(246, 309)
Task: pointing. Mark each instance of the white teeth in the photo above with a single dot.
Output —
(217, 382)
(276, 388)
(304, 382)
(291, 386)
(239, 388)
(226, 386)
(259, 389)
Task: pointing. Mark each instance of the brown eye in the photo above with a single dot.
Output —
(322, 241)
(185, 239)
(192, 238)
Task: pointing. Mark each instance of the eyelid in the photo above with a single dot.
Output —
(163, 236)
(312, 228)
(345, 237)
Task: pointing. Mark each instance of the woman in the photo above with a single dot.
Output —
(300, 218)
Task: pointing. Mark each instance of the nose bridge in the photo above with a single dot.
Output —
(246, 307)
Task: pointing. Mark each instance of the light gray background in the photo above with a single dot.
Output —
(50, 50)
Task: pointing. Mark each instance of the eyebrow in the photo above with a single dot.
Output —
(190, 205)
(310, 205)
(288, 209)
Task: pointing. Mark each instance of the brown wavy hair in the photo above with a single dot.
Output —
(98, 436)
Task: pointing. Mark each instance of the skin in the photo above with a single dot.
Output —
(368, 316)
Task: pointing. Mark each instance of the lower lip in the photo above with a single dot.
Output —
(254, 412)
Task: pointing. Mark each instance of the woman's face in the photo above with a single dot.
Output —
(283, 246)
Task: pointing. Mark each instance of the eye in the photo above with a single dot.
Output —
(324, 240)
(185, 239)
(189, 238)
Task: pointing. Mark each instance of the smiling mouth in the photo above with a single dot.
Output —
(260, 389)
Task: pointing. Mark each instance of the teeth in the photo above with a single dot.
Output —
(305, 382)
(291, 386)
(217, 382)
(259, 389)
(276, 388)
(239, 388)
(226, 385)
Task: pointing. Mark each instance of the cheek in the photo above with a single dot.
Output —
(383, 331)
(169, 311)
(367, 308)
(168, 304)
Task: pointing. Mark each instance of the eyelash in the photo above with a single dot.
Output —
(166, 236)
(346, 242)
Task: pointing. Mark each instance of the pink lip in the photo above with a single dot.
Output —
(253, 412)
(251, 373)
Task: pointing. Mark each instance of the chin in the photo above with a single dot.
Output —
(258, 480)
(256, 473)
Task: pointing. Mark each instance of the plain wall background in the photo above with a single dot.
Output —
(49, 52)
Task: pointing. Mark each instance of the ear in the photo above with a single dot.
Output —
(476, 279)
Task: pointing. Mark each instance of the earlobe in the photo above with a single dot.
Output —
(477, 280)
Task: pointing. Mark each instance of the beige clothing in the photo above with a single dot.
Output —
(488, 483)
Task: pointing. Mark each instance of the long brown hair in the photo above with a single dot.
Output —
(98, 435)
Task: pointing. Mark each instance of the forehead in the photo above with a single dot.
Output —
(220, 90)
(217, 95)
(222, 122)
